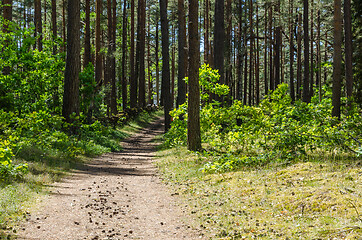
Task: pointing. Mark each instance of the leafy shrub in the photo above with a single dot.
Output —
(9, 171)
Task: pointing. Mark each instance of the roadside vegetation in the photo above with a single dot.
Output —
(276, 170)
(35, 151)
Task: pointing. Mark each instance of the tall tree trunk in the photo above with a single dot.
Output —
(311, 90)
(278, 42)
(133, 80)
(291, 52)
(299, 57)
(64, 26)
(228, 50)
(157, 64)
(87, 34)
(266, 85)
(251, 58)
(99, 58)
(193, 121)
(182, 54)
(337, 59)
(72, 67)
(165, 88)
(306, 92)
(114, 110)
(206, 37)
(319, 56)
(219, 40)
(348, 48)
(173, 65)
(142, 43)
(38, 25)
(271, 48)
(257, 60)
(239, 84)
(124, 49)
(150, 87)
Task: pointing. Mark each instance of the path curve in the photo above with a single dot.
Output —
(116, 196)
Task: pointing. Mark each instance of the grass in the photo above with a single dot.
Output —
(316, 199)
(47, 166)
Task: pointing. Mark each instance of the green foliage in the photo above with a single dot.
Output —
(33, 79)
(9, 171)
(276, 130)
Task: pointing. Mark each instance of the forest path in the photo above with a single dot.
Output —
(116, 196)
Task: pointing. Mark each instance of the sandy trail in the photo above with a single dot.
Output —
(116, 196)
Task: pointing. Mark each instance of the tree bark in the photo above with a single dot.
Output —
(142, 44)
(72, 67)
(291, 52)
(306, 92)
(124, 52)
(219, 40)
(99, 58)
(157, 64)
(133, 80)
(182, 54)
(278, 42)
(38, 25)
(337, 59)
(7, 13)
(193, 121)
(165, 88)
(348, 49)
(87, 35)
(299, 57)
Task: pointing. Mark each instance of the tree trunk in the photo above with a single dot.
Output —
(219, 40)
(99, 58)
(114, 110)
(72, 67)
(133, 80)
(142, 43)
(38, 25)
(239, 84)
(206, 37)
(311, 90)
(157, 64)
(271, 67)
(165, 88)
(182, 54)
(266, 85)
(319, 56)
(306, 93)
(257, 92)
(87, 35)
(278, 42)
(193, 121)
(299, 57)
(64, 24)
(348, 48)
(337, 59)
(228, 50)
(7, 13)
(291, 52)
(124, 49)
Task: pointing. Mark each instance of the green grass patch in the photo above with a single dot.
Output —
(318, 199)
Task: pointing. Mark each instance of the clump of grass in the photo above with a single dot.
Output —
(304, 200)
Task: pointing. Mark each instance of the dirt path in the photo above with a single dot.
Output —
(117, 196)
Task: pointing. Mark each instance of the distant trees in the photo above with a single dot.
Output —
(255, 45)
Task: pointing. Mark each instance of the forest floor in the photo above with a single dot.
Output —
(115, 196)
